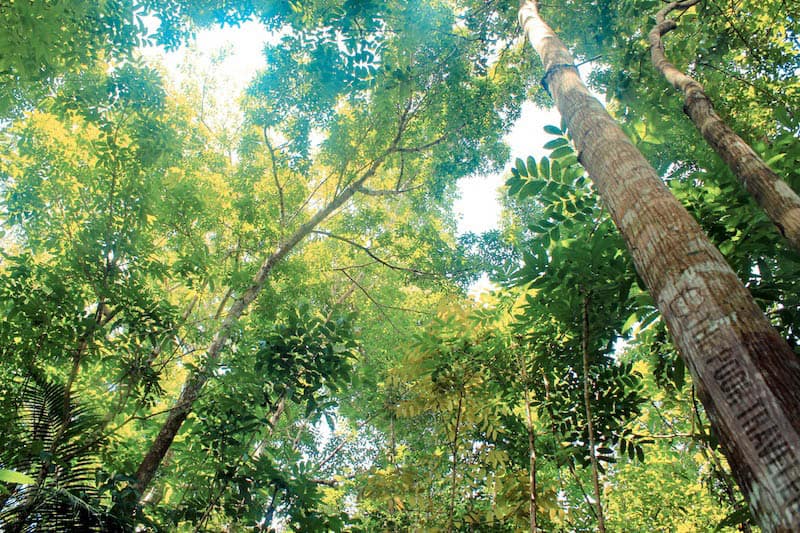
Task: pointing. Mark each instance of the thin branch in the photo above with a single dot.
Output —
(774, 96)
(402, 171)
(202, 115)
(691, 436)
(275, 178)
(195, 382)
(221, 306)
(388, 192)
(354, 267)
(421, 147)
(341, 445)
(331, 482)
(314, 192)
(373, 256)
(371, 299)
(454, 478)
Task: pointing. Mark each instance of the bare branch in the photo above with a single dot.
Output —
(387, 192)
(341, 445)
(379, 305)
(319, 186)
(421, 147)
(275, 177)
(375, 257)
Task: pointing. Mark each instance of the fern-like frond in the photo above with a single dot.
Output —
(52, 448)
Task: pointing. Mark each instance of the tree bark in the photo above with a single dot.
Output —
(772, 194)
(531, 444)
(454, 477)
(195, 382)
(587, 405)
(747, 376)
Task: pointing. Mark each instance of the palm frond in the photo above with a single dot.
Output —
(51, 447)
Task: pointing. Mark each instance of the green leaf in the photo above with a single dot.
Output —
(555, 143)
(553, 130)
(570, 160)
(775, 158)
(12, 476)
(561, 152)
(514, 185)
(531, 188)
(555, 173)
(533, 171)
(630, 322)
(520, 166)
(544, 167)
(737, 517)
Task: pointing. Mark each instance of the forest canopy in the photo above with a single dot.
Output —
(227, 309)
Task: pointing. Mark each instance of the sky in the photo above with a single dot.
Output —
(478, 208)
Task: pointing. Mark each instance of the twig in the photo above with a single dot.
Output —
(373, 256)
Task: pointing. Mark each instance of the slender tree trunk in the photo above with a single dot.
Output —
(531, 444)
(195, 382)
(454, 478)
(772, 194)
(213, 501)
(747, 376)
(569, 462)
(393, 461)
(587, 405)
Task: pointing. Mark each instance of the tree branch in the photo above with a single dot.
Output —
(275, 177)
(375, 257)
(387, 192)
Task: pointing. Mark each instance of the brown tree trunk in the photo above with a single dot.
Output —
(747, 376)
(393, 462)
(587, 405)
(195, 382)
(772, 194)
(531, 444)
(454, 477)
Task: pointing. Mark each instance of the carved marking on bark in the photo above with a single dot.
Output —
(747, 376)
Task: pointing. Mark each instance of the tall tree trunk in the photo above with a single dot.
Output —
(454, 477)
(393, 462)
(772, 194)
(587, 405)
(747, 376)
(717, 470)
(531, 444)
(195, 382)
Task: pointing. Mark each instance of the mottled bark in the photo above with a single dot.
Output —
(747, 376)
(773, 195)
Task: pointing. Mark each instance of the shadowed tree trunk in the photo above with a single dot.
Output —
(772, 194)
(747, 376)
